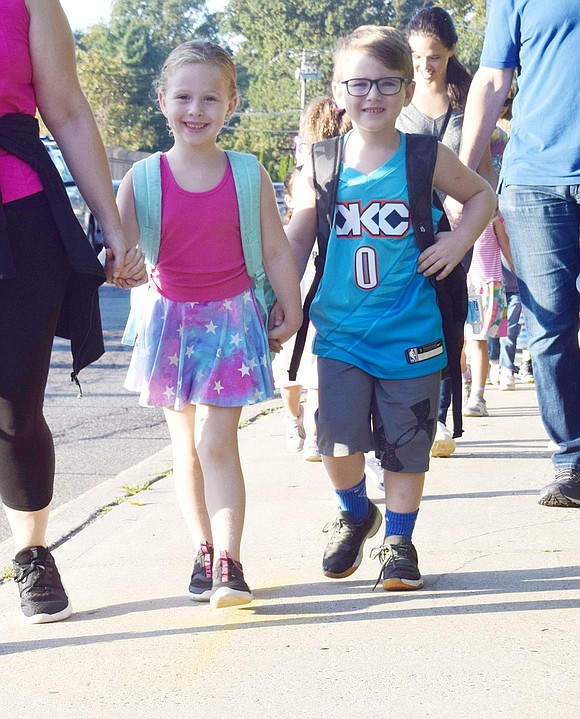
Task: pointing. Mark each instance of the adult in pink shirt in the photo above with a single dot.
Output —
(41, 253)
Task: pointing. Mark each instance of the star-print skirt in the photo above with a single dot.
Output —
(212, 353)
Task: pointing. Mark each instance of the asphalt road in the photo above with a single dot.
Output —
(105, 431)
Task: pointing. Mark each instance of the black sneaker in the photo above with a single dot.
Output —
(344, 551)
(564, 490)
(400, 565)
(200, 585)
(42, 597)
(229, 587)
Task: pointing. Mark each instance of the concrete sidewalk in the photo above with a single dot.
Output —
(493, 634)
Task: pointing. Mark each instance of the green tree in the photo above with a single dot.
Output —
(119, 61)
(279, 40)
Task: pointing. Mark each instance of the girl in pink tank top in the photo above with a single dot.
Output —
(202, 352)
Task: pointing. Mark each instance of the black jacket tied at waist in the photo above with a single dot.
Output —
(80, 319)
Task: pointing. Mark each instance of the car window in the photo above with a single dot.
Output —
(58, 159)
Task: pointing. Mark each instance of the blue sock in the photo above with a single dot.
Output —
(354, 500)
(400, 524)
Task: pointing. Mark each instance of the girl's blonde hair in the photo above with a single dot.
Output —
(199, 51)
(385, 44)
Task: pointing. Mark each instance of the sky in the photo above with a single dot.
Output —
(81, 14)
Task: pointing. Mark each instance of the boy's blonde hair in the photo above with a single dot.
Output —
(199, 51)
(381, 42)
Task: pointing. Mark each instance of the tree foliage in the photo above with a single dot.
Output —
(277, 39)
(276, 42)
(119, 61)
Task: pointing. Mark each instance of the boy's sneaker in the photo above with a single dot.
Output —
(400, 565)
(526, 373)
(229, 587)
(443, 444)
(310, 452)
(43, 598)
(494, 372)
(374, 469)
(295, 434)
(564, 491)
(344, 551)
(200, 586)
(475, 407)
(507, 380)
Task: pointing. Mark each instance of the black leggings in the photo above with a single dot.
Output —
(30, 306)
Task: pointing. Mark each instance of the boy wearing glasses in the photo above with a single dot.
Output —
(379, 337)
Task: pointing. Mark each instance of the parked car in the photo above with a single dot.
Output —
(279, 188)
(80, 207)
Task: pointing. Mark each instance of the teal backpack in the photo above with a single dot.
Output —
(147, 194)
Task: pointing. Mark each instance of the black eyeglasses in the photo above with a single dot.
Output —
(361, 86)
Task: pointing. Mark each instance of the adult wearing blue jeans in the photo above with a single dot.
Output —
(540, 200)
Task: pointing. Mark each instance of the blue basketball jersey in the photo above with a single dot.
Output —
(372, 308)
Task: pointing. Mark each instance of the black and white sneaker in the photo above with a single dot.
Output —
(43, 598)
(400, 565)
(200, 585)
(229, 586)
(564, 491)
(344, 551)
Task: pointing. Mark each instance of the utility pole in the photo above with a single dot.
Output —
(306, 71)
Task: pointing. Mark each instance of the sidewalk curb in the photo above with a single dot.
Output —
(72, 517)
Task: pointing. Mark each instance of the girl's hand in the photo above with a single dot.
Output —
(442, 256)
(279, 328)
(131, 274)
(453, 210)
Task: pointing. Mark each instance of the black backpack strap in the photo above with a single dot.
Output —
(326, 159)
(451, 292)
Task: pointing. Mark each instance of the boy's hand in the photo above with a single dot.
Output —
(442, 256)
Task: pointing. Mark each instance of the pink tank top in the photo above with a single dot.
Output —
(200, 256)
(17, 179)
(486, 260)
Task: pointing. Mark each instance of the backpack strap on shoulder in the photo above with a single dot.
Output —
(147, 196)
(326, 159)
(248, 182)
(420, 161)
(451, 292)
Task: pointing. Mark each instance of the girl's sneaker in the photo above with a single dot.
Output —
(295, 434)
(310, 452)
(494, 372)
(507, 380)
(229, 586)
(475, 407)
(200, 586)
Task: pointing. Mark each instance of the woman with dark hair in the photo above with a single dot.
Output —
(441, 81)
(441, 87)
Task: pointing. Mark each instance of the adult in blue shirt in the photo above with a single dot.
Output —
(540, 199)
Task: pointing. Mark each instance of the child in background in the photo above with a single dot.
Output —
(300, 428)
(502, 350)
(321, 119)
(488, 309)
(202, 349)
(376, 308)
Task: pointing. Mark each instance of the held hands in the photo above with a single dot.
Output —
(441, 257)
(126, 269)
(280, 329)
